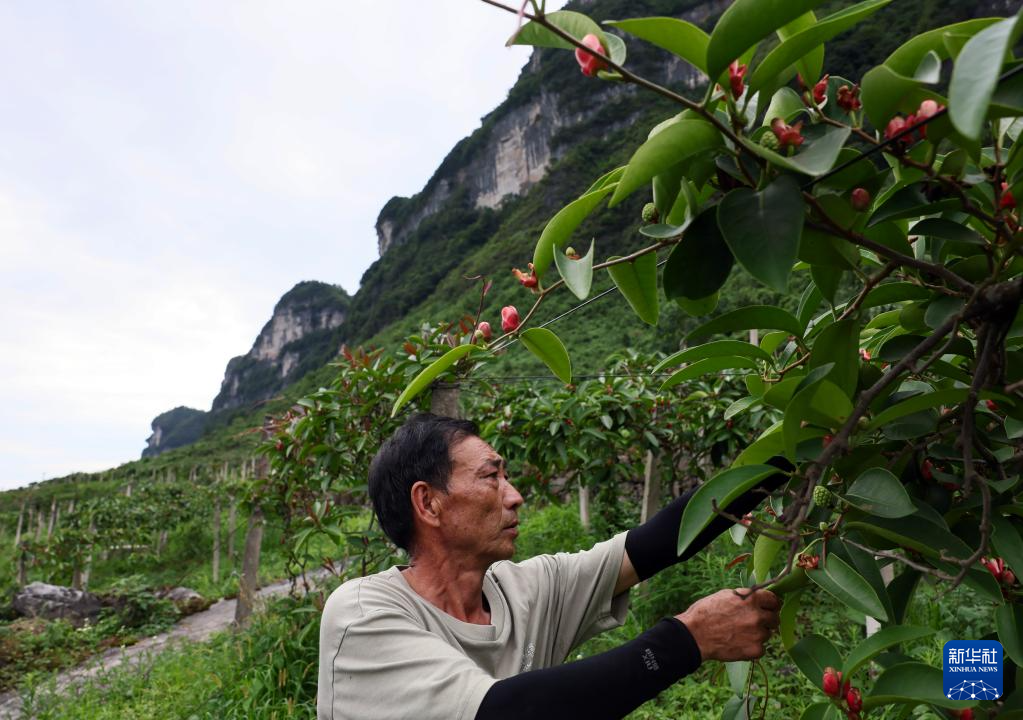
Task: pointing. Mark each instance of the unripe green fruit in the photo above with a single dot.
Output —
(650, 213)
(822, 496)
(770, 141)
(823, 526)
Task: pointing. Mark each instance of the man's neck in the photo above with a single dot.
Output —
(451, 584)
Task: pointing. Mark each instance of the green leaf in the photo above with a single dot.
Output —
(917, 403)
(746, 22)
(785, 104)
(839, 579)
(799, 44)
(700, 263)
(763, 228)
(637, 281)
(698, 307)
(880, 641)
(929, 69)
(718, 348)
(720, 490)
(789, 617)
(562, 225)
(816, 401)
(839, 344)
(753, 317)
(1007, 543)
(676, 36)
(910, 682)
(765, 550)
(885, 92)
(948, 230)
(812, 654)
(673, 144)
(739, 406)
(703, 367)
(975, 76)
(430, 373)
(909, 202)
(577, 274)
(549, 348)
(894, 292)
(879, 492)
(907, 57)
(1009, 622)
(815, 157)
(819, 711)
(575, 24)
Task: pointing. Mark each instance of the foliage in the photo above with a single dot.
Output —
(898, 375)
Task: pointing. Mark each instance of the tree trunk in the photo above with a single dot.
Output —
(21, 518)
(584, 506)
(216, 541)
(651, 487)
(445, 400)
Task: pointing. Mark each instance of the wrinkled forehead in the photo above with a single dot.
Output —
(474, 454)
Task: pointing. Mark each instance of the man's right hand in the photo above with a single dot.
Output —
(732, 624)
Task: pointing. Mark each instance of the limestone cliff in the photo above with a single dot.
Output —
(301, 335)
(175, 428)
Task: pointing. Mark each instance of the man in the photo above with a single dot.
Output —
(462, 633)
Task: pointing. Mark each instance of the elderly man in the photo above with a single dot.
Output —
(462, 633)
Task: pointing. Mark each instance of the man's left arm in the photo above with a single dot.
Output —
(652, 546)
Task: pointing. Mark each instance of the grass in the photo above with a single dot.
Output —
(269, 670)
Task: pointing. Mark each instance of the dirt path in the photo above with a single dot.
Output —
(194, 628)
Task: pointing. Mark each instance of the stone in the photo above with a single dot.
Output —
(186, 600)
(53, 602)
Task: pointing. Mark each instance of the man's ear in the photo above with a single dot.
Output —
(425, 503)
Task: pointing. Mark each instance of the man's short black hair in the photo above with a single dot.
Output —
(419, 450)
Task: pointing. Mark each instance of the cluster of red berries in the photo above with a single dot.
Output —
(833, 687)
(897, 124)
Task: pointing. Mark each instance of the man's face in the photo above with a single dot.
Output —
(480, 510)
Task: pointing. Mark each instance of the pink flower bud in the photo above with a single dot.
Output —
(590, 64)
(509, 318)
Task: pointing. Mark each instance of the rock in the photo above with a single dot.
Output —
(186, 600)
(54, 601)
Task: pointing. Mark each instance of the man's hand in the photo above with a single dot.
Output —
(733, 625)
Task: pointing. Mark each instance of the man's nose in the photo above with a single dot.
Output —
(512, 498)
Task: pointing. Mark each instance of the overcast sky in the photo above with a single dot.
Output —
(169, 170)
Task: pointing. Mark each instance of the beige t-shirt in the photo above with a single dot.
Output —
(387, 653)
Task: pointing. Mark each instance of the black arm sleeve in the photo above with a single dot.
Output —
(652, 546)
(607, 686)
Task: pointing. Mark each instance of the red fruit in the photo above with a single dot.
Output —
(530, 280)
(591, 64)
(849, 98)
(992, 405)
(485, 331)
(820, 90)
(854, 700)
(509, 318)
(831, 682)
(865, 354)
(896, 125)
(1007, 201)
(927, 470)
(788, 135)
(995, 566)
(729, 424)
(279, 446)
(826, 440)
(1008, 577)
(860, 199)
(736, 73)
(964, 714)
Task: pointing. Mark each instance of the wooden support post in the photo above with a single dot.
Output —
(232, 527)
(40, 524)
(22, 569)
(216, 540)
(651, 486)
(83, 577)
(445, 400)
(53, 517)
(248, 583)
(584, 506)
(21, 518)
(127, 490)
